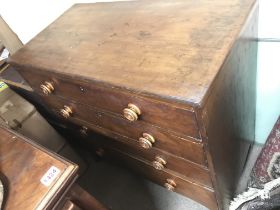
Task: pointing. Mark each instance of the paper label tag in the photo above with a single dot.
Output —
(50, 176)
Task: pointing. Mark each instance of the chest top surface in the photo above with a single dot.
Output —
(169, 49)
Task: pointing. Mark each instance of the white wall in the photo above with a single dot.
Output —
(29, 17)
(268, 77)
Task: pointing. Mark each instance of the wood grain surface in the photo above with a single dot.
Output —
(174, 164)
(23, 164)
(111, 100)
(159, 48)
(186, 147)
(230, 113)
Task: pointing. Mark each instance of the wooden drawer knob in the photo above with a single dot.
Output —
(146, 141)
(84, 131)
(131, 112)
(47, 88)
(159, 163)
(170, 184)
(66, 112)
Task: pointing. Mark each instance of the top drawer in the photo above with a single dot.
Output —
(178, 120)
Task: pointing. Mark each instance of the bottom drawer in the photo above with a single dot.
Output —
(185, 169)
(201, 194)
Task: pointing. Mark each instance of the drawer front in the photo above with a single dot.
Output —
(114, 100)
(160, 160)
(85, 115)
(196, 192)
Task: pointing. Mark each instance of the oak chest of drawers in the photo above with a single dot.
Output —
(172, 83)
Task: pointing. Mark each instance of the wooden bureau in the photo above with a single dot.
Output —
(171, 83)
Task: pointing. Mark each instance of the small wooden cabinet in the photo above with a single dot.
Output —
(33, 177)
(172, 83)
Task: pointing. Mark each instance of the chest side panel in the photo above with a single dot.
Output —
(229, 113)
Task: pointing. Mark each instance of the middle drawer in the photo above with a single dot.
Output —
(147, 135)
(157, 158)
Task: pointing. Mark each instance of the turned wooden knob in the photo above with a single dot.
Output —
(146, 141)
(84, 131)
(66, 112)
(131, 112)
(159, 163)
(170, 185)
(47, 88)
